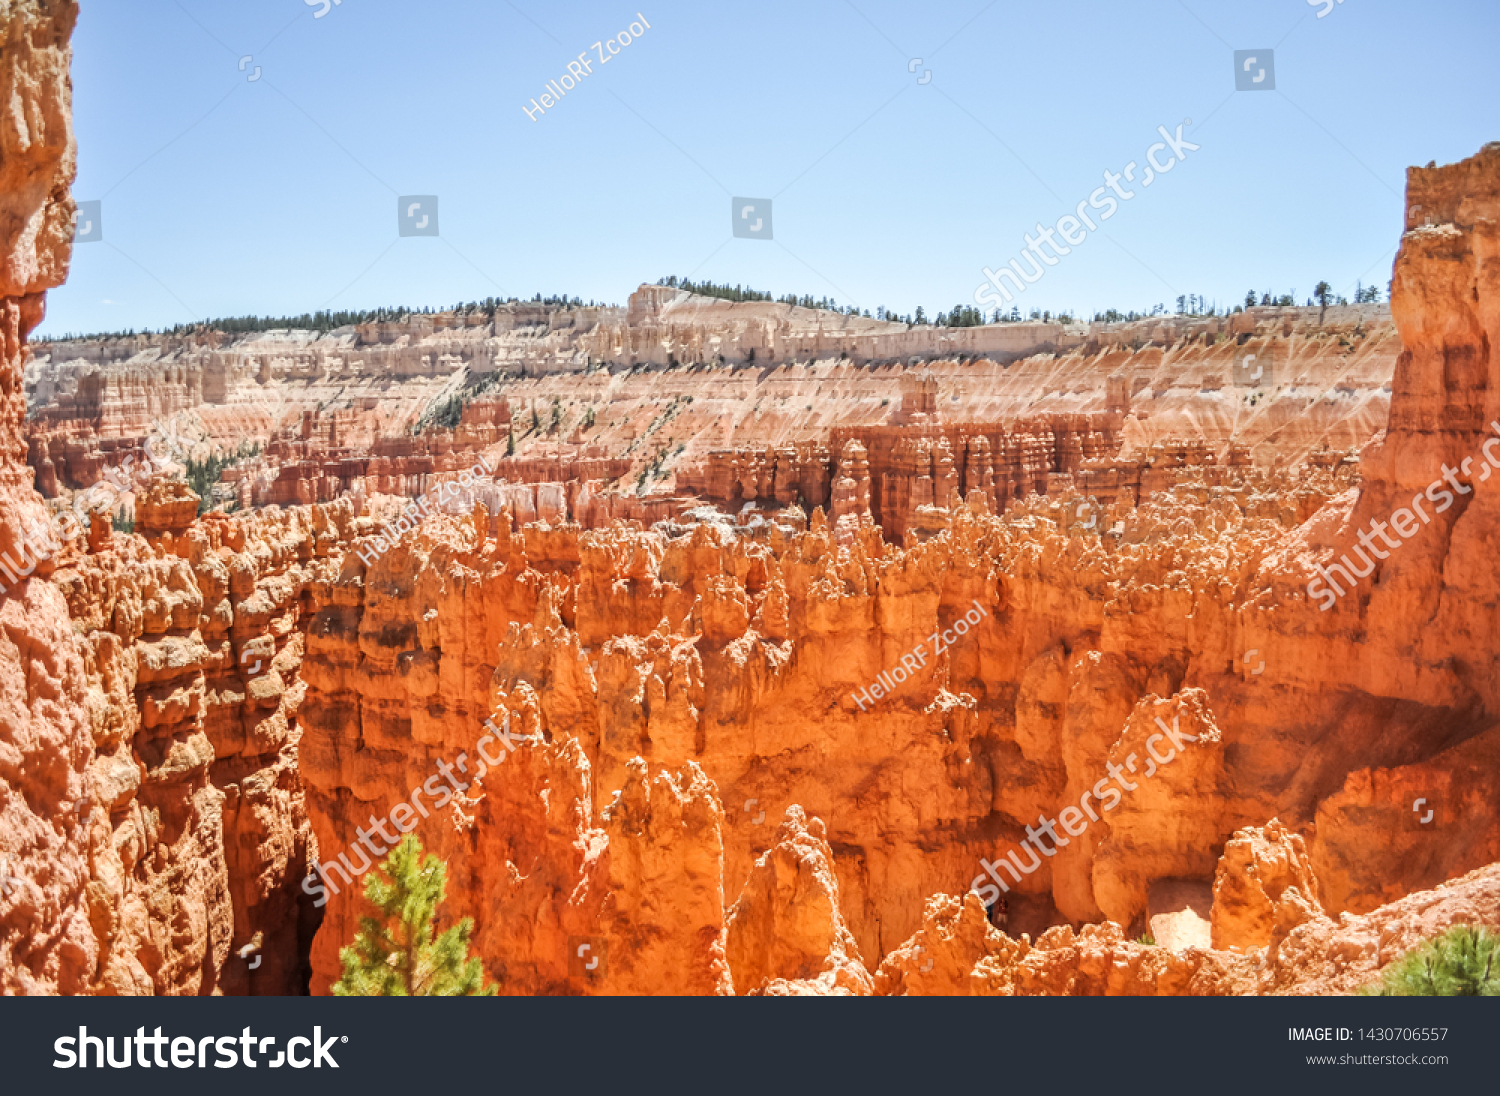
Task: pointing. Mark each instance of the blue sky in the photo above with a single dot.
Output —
(224, 195)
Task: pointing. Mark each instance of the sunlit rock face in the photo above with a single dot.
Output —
(750, 648)
(49, 942)
(716, 675)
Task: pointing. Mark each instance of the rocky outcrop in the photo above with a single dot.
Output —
(1321, 956)
(670, 403)
(1264, 881)
(787, 935)
(658, 646)
(193, 639)
(902, 474)
(956, 952)
(662, 914)
(49, 906)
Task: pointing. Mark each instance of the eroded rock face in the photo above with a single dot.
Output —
(614, 646)
(1261, 872)
(787, 936)
(1076, 620)
(751, 649)
(192, 641)
(47, 908)
(1321, 956)
(957, 953)
(941, 957)
(750, 652)
(1118, 410)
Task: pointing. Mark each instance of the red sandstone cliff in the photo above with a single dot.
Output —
(47, 943)
(707, 793)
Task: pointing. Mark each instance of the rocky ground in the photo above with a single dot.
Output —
(808, 635)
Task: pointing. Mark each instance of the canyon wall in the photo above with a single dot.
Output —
(663, 400)
(934, 649)
(749, 652)
(47, 942)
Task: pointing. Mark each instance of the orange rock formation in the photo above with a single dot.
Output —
(642, 731)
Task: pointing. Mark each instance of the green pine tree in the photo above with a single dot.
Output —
(1463, 962)
(396, 955)
(510, 442)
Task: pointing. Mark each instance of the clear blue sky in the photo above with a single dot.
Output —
(226, 196)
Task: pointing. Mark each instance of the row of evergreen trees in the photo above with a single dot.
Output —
(961, 315)
(1189, 304)
(727, 292)
(1193, 304)
(324, 320)
(738, 293)
(1114, 315)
